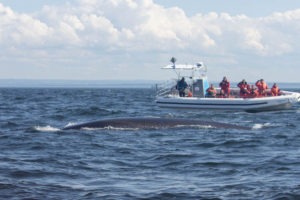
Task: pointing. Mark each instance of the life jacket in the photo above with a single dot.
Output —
(275, 91)
(253, 93)
(224, 85)
(211, 92)
(244, 88)
(261, 86)
(264, 86)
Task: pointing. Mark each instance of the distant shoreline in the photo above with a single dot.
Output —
(28, 83)
(19, 83)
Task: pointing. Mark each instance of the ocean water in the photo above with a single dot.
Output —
(38, 160)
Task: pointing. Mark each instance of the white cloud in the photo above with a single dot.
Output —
(21, 29)
(147, 25)
(130, 28)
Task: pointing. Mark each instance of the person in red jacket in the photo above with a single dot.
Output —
(275, 91)
(253, 92)
(225, 86)
(244, 88)
(262, 87)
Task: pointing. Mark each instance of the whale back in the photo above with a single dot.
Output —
(148, 123)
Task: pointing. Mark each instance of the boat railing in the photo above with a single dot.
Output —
(169, 88)
(166, 88)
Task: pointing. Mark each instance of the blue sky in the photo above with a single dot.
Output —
(252, 8)
(131, 40)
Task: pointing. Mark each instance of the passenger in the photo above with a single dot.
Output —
(275, 91)
(253, 92)
(221, 94)
(244, 88)
(262, 87)
(211, 91)
(181, 86)
(225, 86)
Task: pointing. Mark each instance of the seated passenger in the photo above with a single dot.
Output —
(262, 87)
(253, 92)
(244, 88)
(225, 86)
(181, 86)
(211, 91)
(221, 94)
(275, 91)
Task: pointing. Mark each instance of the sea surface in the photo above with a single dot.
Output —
(39, 160)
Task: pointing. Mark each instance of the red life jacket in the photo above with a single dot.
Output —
(261, 86)
(244, 88)
(275, 91)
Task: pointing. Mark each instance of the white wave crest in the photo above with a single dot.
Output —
(70, 124)
(257, 126)
(46, 128)
(195, 126)
(260, 126)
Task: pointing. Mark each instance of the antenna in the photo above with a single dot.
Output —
(173, 60)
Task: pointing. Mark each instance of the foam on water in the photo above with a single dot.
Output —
(196, 126)
(47, 128)
(266, 125)
(70, 124)
(257, 126)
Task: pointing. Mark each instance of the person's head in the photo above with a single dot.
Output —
(261, 80)
(224, 78)
(243, 81)
(182, 78)
(212, 85)
(274, 85)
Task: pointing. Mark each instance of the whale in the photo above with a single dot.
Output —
(151, 123)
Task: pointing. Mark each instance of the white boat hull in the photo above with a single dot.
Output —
(242, 104)
(196, 85)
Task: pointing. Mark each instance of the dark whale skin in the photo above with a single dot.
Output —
(151, 123)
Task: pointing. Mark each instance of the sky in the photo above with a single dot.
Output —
(132, 40)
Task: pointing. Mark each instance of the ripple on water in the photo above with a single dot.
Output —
(40, 161)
